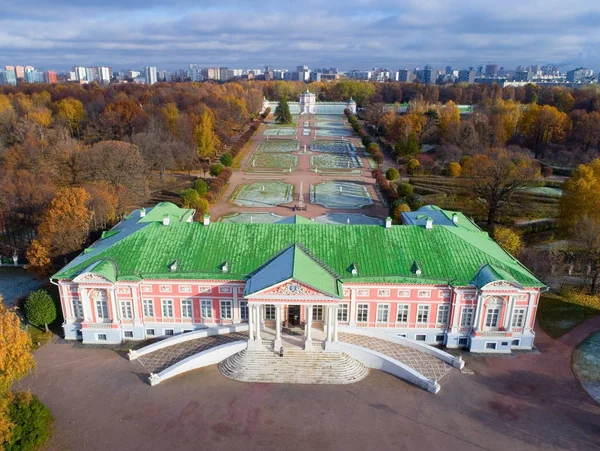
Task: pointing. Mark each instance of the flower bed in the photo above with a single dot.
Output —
(335, 161)
(278, 146)
(272, 161)
(333, 146)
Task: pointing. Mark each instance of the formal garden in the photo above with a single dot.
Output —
(340, 195)
(333, 132)
(272, 162)
(347, 218)
(278, 146)
(262, 194)
(253, 218)
(335, 161)
(333, 146)
(280, 131)
(331, 124)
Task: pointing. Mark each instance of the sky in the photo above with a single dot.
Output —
(347, 34)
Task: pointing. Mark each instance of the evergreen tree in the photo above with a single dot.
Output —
(40, 308)
(282, 112)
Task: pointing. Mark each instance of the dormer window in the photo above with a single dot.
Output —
(225, 267)
(415, 268)
(173, 266)
(354, 269)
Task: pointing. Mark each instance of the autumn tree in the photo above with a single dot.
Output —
(123, 117)
(508, 239)
(580, 196)
(40, 308)
(204, 136)
(72, 112)
(494, 177)
(282, 112)
(454, 169)
(190, 198)
(542, 124)
(16, 361)
(586, 129)
(448, 122)
(392, 174)
(585, 236)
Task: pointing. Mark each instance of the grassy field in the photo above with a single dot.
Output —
(279, 161)
(558, 315)
(278, 146)
(340, 195)
(262, 194)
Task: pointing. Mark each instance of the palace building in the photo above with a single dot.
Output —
(437, 279)
(308, 105)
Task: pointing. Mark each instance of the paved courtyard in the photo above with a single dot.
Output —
(429, 366)
(157, 361)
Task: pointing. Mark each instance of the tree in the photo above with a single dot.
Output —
(191, 199)
(392, 174)
(201, 187)
(407, 147)
(72, 112)
(40, 308)
(216, 169)
(414, 167)
(508, 239)
(543, 124)
(204, 136)
(282, 112)
(586, 129)
(226, 159)
(454, 169)
(494, 176)
(585, 235)
(580, 196)
(32, 423)
(16, 361)
(404, 189)
(448, 122)
(397, 212)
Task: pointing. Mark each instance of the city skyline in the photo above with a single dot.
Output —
(355, 34)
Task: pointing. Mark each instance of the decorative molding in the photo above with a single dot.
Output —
(294, 289)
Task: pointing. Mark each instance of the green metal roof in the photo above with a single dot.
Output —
(167, 209)
(444, 254)
(490, 273)
(294, 263)
(296, 219)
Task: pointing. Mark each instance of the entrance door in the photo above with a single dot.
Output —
(294, 315)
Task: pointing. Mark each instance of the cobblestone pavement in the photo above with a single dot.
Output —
(428, 365)
(157, 361)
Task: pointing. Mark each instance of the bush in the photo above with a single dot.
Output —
(191, 199)
(414, 201)
(201, 187)
(40, 308)
(366, 141)
(392, 174)
(32, 423)
(404, 189)
(454, 169)
(508, 239)
(546, 171)
(216, 169)
(414, 167)
(226, 159)
(397, 212)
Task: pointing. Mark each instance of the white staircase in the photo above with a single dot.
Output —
(295, 367)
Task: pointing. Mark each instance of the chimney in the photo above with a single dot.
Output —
(388, 223)
(454, 218)
(206, 219)
(166, 220)
(142, 212)
(429, 223)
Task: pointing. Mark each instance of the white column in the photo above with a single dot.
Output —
(527, 327)
(113, 302)
(236, 315)
(278, 312)
(258, 320)
(328, 322)
(85, 304)
(308, 339)
(478, 309)
(352, 309)
(251, 322)
(137, 318)
(455, 313)
(335, 324)
(509, 313)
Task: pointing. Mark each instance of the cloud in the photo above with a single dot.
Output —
(348, 34)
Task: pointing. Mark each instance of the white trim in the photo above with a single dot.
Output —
(428, 314)
(495, 343)
(387, 311)
(169, 335)
(398, 305)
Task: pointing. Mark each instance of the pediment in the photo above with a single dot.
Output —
(502, 285)
(91, 277)
(290, 289)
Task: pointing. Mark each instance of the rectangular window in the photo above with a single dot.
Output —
(126, 312)
(165, 288)
(382, 313)
(424, 293)
(490, 346)
(101, 309)
(185, 289)
(362, 313)
(402, 315)
(423, 314)
(169, 332)
(101, 337)
(362, 292)
(420, 337)
(206, 308)
(226, 310)
(491, 317)
(186, 308)
(244, 310)
(167, 308)
(342, 313)
(224, 289)
(444, 293)
(146, 288)
(383, 292)
(77, 308)
(518, 317)
(128, 334)
(403, 293)
(148, 306)
(463, 341)
(466, 317)
(442, 314)
(516, 342)
(270, 312)
(150, 332)
(401, 335)
(317, 314)
(439, 338)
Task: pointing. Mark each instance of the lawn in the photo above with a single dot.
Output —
(586, 364)
(278, 146)
(558, 315)
(333, 132)
(331, 124)
(262, 194)
(280, 131)
(255, 218)
(271, 161)
(332, 146)
(335, 161)
(340, 195)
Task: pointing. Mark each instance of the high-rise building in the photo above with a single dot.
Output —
(20, 72)
(406, 75)
(428, 75)
(50, 77)
(523, 75)
(33, 76)
(466, 76)
(104, 74)
(8, 77)
(80, 74)
(448, 70)
(479, 72)
(150, 75)
(491, 70)
(579, 75)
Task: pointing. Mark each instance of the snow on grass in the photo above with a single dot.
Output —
(262, 194)
(586, 365)
(277, 146)
(340, 195)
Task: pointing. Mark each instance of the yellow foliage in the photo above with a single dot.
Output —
(454, 169)
(5, 104)
(508, 239)
(575, 297)
(580, 195)
(38, 256)
(40, 116)
(171, 113)
(397, 212)
(71, 110)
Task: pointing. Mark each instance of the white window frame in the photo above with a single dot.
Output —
(187, 308)
(363, 292)
(444, 310)
(518, 314)
(146, 288)
(153, 334)
(495, 347)
(362, 309)
(226, 309)
(102, 309)
(148, 308)
(403, 309)
(244, 310)
(467, 312)
(166, 308)
(423, 308)
(101, 339)
(424, 293)
(77, 308)
(492, 313)
(204, 289)
(317, 313)
(270, 312)
(384, 293)
(421, 335)
(125, 332)
(169, 335)
(444, 294)
(225, 289)
(126, 310)
(384, 309)
(342, 313)
(206, 308)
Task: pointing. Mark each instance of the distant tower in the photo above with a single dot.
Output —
(308, 102)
